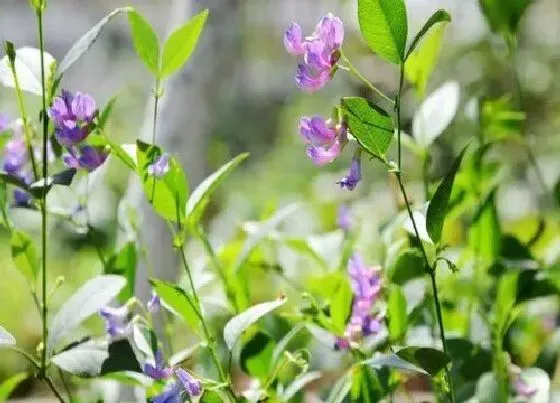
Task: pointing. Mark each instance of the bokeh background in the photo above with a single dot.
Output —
(238, 94)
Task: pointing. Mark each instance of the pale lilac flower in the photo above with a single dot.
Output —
(158, 371)
(154, 304)
(187, 383)
(523, 388)
(160, 167)
(4, 122)
(15, 155)
(72, 116)
(351, 180)
(344, 219)
(117, 322)
(320, 51)
(325, 142)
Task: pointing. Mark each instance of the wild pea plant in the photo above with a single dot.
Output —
(365, 314)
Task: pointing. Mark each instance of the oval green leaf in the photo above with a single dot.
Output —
(84, 360)
(177, 301)
(24, 255)
(145, 41)
(396, 314)
(429, 359)
(8, 386)
(437, 17)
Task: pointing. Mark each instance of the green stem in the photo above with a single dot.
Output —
(207, 336)
(44, 199)
(66, 385)
(398, 112)
(365, 80)
(219, 268)
(500, 369)
(23, 113)
(156, 102)
(50, 384)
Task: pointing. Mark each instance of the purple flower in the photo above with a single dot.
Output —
(72, 116)
(15, 155)
(320, 51)
(86, 156)
(21, 198)
(523, 388)
(116, 321)
(158, 371)
(4, 122)
(154, 304)
(351, 180)
(186, 383)
(325, 142)
(160, 167)
(344, 219)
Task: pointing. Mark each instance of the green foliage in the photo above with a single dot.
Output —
(341, 305)
(9, 385)
(440, 16)
(84, 360)
(397, 320)
(180, 44)
(369, 124)
(121, 358)
(366, 387)
(178, 301)
(409, 265)
(429, 359)
(145, 41)
(437, 210)
(24, 255)
(504, 16)
(384, 27)
(123, 262)
(256, 355)
(6, 338)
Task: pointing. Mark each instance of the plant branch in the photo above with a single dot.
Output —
(362, 78)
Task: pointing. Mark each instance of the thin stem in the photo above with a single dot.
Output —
(66, 385)
(230, 293)
(44, 199)
(50, 384)
(23, 113)
(156, 102)
(25, 355)
(207, 336)
(355, 71)
(398, 112)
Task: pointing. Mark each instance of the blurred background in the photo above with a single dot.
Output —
(238, 94)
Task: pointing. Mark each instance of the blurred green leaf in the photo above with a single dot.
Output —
(145, 41)
(396, 314)
(409, 265)
(369, 124)
(366, 387)
(548, 356)
(239, 323)
(181, 44)
(24, 255)
(485, 231)
(106, 113)
(392, 360)
(6, 338)
(420, 63)
(211, 396)
(87, 300)
(437, 210)
(340, 389)
(384, 27)
(298, 384)
(504, 16)
(10, 384)
(121, 358)
(123, 262)
(282, 345)
(167, 194)
(177, 301)
(487, 388)
(256, 355)
(84, 360)
(85, 42)
(506, 296)
(129, 378)
(437, 17)
(201, 195)
(429, 359)
(341, 305)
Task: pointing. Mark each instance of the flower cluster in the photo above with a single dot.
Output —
(366, 285)
(160, 166)
(73, 117)
(325, 140)
(320, 51)
(186, 382)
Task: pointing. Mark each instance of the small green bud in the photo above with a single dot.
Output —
(38, 5)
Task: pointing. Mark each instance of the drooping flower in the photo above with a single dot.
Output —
(325, 140)
(351, 180)
(154, 304)
(344, 219)
(186, 383)
(158, 371)
(72, 116)
(319, 51)
(366, 285)
(117, 322)
(160, 166)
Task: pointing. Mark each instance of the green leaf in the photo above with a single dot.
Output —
(27, 63)
(396, 314)
(366, 387)
(384, 27)
(199, 198)
(239, 323)
(504, 312)
(129, 378)
(256, 355)
(167, 194)
(85, 42)
(24, 255)
(504, 16)
(40, 188)
(87, 300)
(299, 383)
(371, 126)
(429, 359)
(340, 389)
(437, 209)
(392, 360)
(10, 384)
(6, 338)
(106, 113)
(211, 396)
(123, 262)
(145, 41)
(177, 301)
(487, 388)
(181, 44)
(85, 360)
(437, 17)
(341, 305)
(409, 265)
(420, 62)
(121, 358)
(285, 341)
